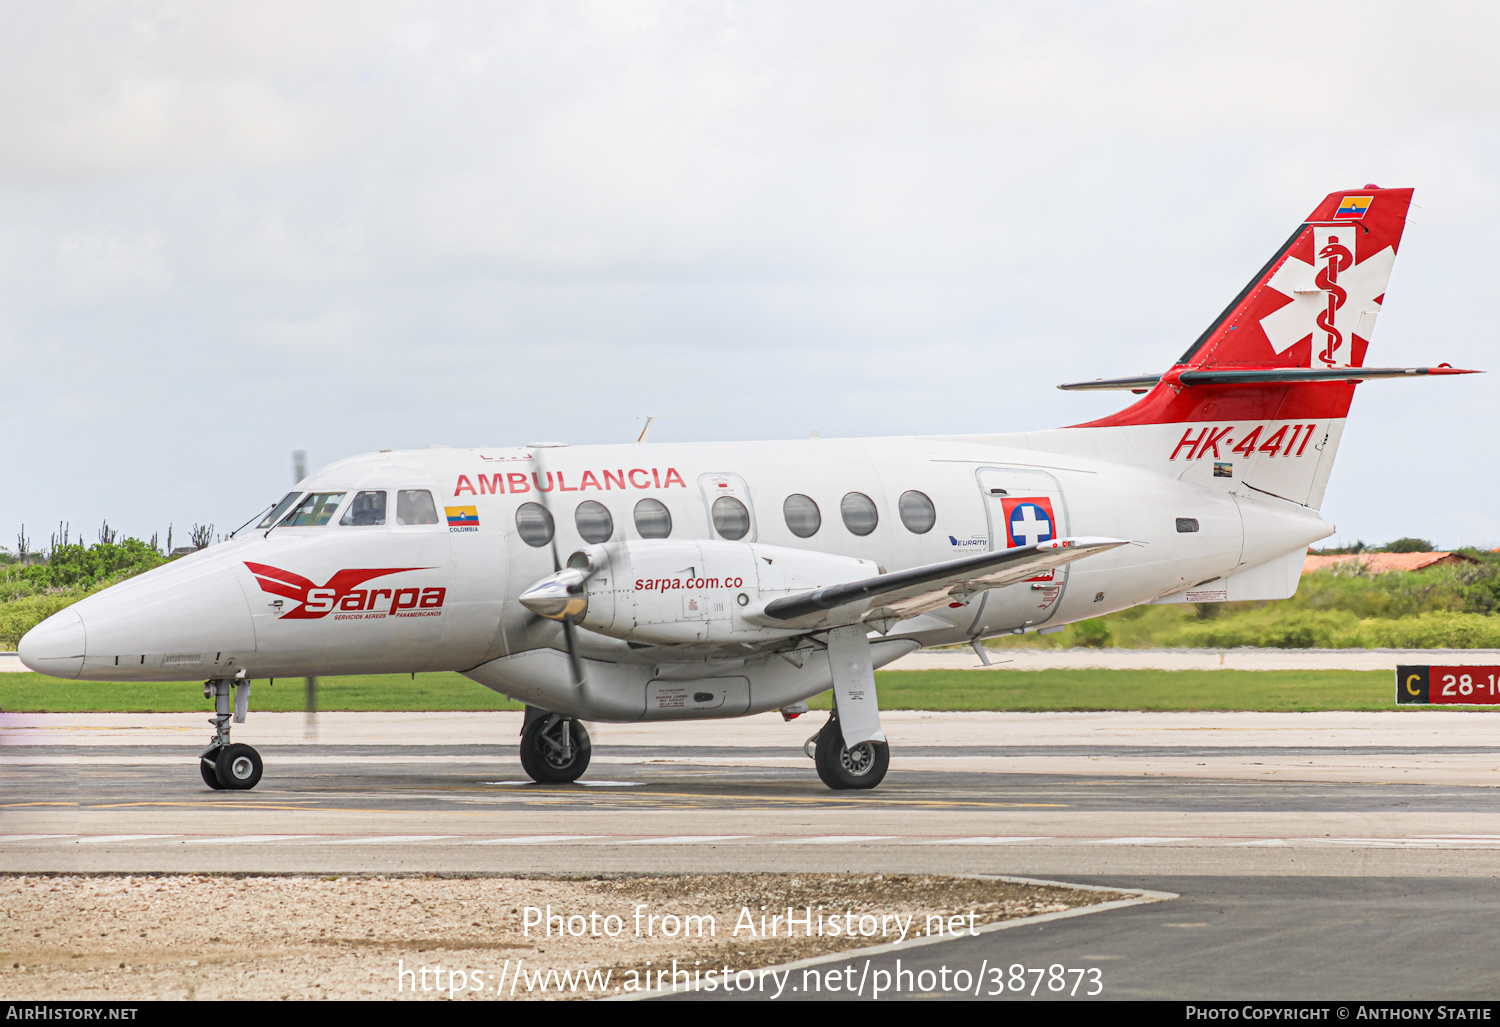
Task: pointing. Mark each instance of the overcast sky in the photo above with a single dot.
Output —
(232, 230)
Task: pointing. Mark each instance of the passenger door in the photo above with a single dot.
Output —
(1024, 506)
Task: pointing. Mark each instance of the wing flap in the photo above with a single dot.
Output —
(910, 592)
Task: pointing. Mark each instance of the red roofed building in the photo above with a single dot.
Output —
(1385, 563)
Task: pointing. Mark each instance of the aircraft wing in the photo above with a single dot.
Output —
(909, 592)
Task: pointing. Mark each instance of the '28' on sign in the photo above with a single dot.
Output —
(1448, 686)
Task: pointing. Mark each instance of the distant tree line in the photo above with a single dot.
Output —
(72, 564)
(1401, 545)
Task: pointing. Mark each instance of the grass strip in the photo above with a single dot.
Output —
(436, 692)
(1277, 691)
(1289, 691)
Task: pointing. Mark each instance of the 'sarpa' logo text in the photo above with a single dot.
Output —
(341, 593)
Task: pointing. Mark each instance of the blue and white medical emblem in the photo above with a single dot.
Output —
(1030, 524)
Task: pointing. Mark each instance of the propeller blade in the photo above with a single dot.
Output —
(571, 644)
(566, 614)
(310, 728)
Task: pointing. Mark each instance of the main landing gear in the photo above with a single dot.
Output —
(851, 750)
(840, 766)
(224, 765)
(554, 749)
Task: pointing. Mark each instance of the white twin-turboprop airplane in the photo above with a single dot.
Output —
(707, 580)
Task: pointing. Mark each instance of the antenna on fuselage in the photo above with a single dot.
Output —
(651, 420)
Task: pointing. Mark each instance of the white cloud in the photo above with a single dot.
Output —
(96, 264)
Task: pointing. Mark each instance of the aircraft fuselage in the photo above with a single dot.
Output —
(350, 598)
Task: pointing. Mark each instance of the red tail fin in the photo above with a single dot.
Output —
(1313, 305)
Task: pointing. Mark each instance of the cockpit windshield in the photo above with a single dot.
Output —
(314, 511)
(280, 508)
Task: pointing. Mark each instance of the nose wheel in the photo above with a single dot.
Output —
(554, 749)
(232, 767)
(226, 765)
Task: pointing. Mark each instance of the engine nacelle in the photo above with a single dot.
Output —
(678, 592)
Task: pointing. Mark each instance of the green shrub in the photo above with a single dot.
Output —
(21, 615)
(31, 593)
(77, 566)
(1094, 634)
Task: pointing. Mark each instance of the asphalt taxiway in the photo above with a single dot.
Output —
(1309, 825)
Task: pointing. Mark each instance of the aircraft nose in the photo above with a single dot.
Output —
(55, 646)
(183, 620)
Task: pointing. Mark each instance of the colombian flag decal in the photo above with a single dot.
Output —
(1353, 206)
(462, 516)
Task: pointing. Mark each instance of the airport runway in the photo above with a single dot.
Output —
(1339, 794)
(1303, 822)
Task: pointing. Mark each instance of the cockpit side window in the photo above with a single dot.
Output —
(367, 509)
(314, 511)
(280, 509)
(415, 506)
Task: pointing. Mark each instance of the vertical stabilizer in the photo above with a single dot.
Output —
(1232, 410)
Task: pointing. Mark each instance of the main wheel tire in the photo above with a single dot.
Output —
(208, 767)
(239, 767)
(542, 749)
(840, 767)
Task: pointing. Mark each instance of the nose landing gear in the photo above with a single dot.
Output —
(225, 765)
(554, 749)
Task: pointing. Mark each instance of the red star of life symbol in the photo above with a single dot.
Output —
(294, 586)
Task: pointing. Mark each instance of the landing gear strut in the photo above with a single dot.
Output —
(554, 749)
(851, 750)
(225, 765)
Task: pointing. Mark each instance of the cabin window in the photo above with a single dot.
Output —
(367, 509)
(652, 519)
(414, 506)
(731, 519)
(860, 516)
(917, 512)
(277, 512)
(534, 524)
(314, 511)
(803, 518)
(594, 522)
(1186, 524)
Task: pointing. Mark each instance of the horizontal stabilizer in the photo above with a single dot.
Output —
(1261, 376)
(910, 592)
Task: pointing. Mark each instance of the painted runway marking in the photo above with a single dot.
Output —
(389, 839)
(838, 839)
(103, 839)
(985, 840)
(684, 839)
(247, 839)
(533, 839)
(1133, 841)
